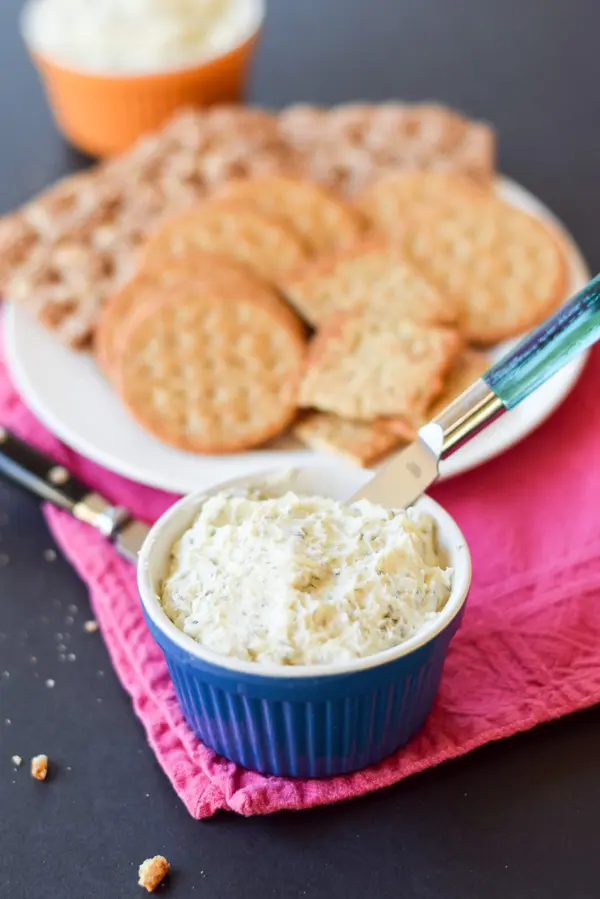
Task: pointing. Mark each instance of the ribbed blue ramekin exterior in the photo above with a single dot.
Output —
(308, 726)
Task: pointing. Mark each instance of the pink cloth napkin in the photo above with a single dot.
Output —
(528, 651)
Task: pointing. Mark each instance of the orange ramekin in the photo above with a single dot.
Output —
(103, 114)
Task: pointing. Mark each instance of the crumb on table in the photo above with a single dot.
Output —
(39, 767)
(16, 760)
(90, 627)
(152, 872)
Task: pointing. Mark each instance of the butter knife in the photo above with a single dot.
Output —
(572, 329)
(41, 475)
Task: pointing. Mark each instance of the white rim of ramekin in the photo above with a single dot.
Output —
(451, 537)
(258, 18)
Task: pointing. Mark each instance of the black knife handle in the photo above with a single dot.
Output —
(39, 473)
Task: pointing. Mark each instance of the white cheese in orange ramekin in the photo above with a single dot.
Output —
(138, 36)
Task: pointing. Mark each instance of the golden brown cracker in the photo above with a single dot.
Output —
(508, 269)
(323, 221)
(360, 442)
(267, 246)
(470, 365)
(367, 366)
(373, 274)
(348, 147)
(210, 272)
(210, 375)
(392, 200)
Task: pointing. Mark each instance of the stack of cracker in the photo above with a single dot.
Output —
(404, 317)
(64, 253)
(335, 273)
(200, 345)
(276, 303)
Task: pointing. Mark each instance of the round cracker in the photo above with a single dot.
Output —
(267, 246)
(389, 201)
(139, 289)
(321, 219)
(506, 267)
(210, 375)
(200, 271)
(373, 274)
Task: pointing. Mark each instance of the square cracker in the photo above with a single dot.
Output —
(360, 442)
(468, 367)
(367, 365)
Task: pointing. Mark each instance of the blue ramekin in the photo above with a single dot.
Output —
(303, 721)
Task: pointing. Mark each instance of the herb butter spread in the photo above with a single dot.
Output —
(137, 36)
(297, 580)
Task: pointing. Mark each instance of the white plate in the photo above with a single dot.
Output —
(69, 395)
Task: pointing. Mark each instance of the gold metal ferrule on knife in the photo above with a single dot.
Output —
(472, 410)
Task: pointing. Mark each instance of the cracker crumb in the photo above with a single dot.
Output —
(17, 760)
(8, 722)
(50, 555)
(152, 872)
(50, 683)
(90, 627)
(71, 657)
(39, 767)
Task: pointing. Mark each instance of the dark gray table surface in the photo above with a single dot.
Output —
(517, 819)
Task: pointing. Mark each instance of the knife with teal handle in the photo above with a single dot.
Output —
(570, 331)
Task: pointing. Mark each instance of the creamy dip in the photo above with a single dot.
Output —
(297, 580)
(138, 35)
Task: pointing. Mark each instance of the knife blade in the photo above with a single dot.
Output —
(409, 473)
(406, 476)
(51, 481)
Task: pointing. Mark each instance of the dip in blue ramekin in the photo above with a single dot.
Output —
(303, 720)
